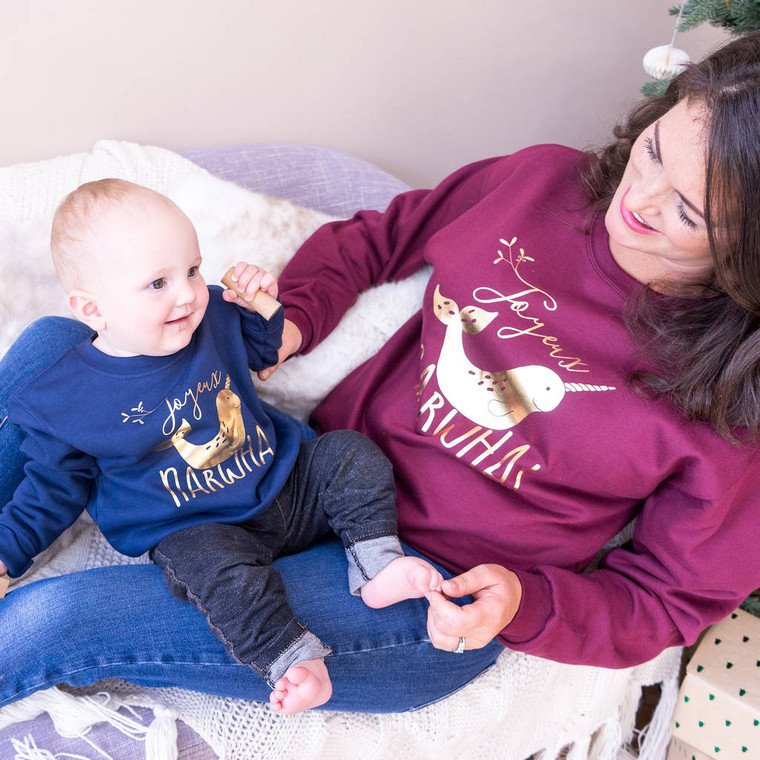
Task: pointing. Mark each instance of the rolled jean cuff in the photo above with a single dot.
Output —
(368, 557)
(306, 647)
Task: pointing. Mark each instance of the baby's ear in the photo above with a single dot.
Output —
(85, 309)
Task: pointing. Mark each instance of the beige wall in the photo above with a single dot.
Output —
(418, 87)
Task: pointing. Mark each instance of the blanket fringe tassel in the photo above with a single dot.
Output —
(74, 716)
(619, 740)
(607, 742)
(654, 739)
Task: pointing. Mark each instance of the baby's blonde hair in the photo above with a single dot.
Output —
(74, 243)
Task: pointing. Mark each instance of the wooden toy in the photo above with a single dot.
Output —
(262, 302)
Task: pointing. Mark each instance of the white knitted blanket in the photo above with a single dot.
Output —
(522, 706)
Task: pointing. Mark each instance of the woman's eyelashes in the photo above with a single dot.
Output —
(690, 223)
(649, 146)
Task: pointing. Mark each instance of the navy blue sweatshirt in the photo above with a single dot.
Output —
(150, 444)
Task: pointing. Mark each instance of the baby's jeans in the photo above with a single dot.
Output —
(341, 482)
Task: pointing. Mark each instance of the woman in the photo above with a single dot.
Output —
(585, 354)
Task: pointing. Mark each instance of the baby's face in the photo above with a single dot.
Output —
(149, 288)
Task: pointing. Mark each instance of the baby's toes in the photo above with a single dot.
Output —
(433, 580)
(425, 578)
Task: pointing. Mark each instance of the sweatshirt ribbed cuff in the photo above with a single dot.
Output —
(534, 611)
(13, 554)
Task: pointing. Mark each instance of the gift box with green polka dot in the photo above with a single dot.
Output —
(718, 709)
(678, 750)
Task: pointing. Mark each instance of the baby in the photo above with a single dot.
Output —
(155, 427)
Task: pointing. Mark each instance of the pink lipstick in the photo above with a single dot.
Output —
(634, 221)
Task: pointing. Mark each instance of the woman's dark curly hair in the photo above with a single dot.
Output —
(706, 348)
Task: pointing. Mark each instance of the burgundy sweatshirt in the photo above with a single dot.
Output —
(505, 407)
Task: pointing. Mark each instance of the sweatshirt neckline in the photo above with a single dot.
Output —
(603, 260)
(128, 365)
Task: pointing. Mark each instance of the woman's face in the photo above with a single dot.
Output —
(656, 222)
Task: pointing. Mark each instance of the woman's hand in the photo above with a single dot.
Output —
(291, 342)
(497, 593)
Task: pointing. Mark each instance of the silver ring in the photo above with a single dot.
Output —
(459, 648)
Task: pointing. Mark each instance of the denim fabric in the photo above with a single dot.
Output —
(123, 622)
(341, 482)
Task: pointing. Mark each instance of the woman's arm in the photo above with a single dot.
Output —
(342, 259)
(690, 563)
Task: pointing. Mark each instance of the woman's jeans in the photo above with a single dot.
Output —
(123, 622)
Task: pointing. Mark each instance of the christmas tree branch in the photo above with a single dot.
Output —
(737, 16)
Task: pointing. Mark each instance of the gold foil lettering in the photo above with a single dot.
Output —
(436, 401)
(475, 441)
(165, 476)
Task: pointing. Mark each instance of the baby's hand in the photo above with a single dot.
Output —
(252, 288)
(247, 280)
(4, 580)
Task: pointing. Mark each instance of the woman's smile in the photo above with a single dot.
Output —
(633, 220)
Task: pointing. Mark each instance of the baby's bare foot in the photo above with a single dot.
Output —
(304, 685)
(404, 578)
